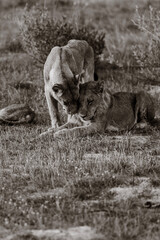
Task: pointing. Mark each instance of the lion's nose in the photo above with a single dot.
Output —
(83, 116)
(72, 111)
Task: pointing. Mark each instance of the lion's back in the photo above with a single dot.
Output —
(121, 111)
(53, 57)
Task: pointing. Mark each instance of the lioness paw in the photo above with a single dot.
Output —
(55, 125)
(49, 131)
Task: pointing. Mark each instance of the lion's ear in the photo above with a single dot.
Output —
(78, 78)
(100, 86)
(58, 89)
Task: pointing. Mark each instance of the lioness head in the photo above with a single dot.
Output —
(67, 94)
(90, 100)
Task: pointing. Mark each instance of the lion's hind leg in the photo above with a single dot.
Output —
(144, 110)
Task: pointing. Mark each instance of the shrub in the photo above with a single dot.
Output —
(40, 33)
(147, 54)
(7, 4)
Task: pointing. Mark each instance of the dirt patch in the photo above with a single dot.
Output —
(76, 233)
(41, 195)
(145, 190)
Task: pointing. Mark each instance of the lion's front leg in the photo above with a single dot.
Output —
(53, 109)
(77, 131)
(65, 126)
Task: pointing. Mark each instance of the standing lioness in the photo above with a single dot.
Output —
(64, 68)
(100, 110)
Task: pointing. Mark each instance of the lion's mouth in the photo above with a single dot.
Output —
(94, 115)
(87, 118)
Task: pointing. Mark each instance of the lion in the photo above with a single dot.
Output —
(17, 114)
(99, 110)
(64, 69)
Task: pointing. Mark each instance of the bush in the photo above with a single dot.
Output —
(7, 4)
(147, 54)
(40, 33)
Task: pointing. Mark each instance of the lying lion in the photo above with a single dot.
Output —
(17, 114)
(99, 110)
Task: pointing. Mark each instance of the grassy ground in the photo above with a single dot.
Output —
(106, 182)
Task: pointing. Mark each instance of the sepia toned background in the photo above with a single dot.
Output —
(104, 183)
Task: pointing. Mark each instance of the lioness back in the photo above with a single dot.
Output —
(75, 56)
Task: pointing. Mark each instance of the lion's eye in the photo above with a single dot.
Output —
(90, 101)
(55, 89)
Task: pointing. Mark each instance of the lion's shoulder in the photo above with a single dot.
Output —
(73, 43)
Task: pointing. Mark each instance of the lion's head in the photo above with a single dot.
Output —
(67, 94)
(90, 100)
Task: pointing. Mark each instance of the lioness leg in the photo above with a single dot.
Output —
(78, 131)
(67, 125)
(53, 109)
(73, 121)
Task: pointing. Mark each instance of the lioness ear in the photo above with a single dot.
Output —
(100, 86)
(58, 89)
(78, 77)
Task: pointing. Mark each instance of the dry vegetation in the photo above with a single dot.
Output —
(107, 182)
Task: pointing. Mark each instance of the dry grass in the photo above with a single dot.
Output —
(78, 182)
